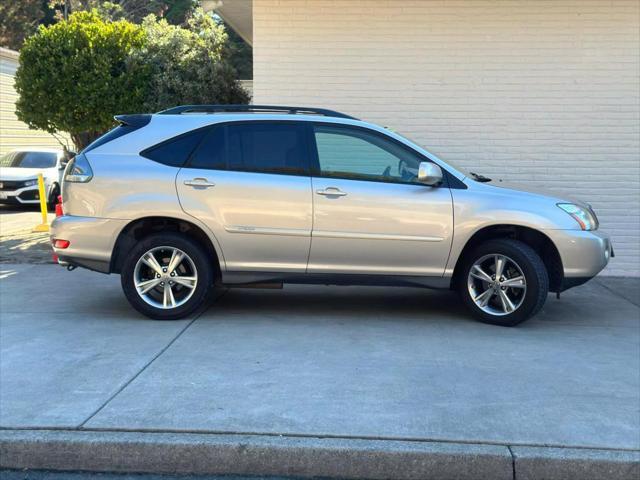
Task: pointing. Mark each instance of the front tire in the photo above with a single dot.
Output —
(53, 197)
(503, 282)
(167, 276)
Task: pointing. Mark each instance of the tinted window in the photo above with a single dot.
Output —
(346, 152)
(176, 151)
(211, 152)
(29, 159)
(266, 147)
(112, 134)
(253, 147)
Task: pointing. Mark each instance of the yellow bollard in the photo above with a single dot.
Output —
(44, 226)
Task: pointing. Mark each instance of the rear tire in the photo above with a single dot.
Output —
(516, 295)
(167, 276)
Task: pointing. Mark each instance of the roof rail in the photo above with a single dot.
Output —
(253, 108)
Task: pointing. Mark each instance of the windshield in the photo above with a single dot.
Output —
(29, 159)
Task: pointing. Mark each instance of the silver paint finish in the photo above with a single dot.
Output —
(380, 228)
(297, 224)
(262, 221)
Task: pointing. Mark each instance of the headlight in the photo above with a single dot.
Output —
(584, 216)
(78, 170)
(30, 183)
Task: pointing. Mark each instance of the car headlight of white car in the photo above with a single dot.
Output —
(30, 183)
(585, 217)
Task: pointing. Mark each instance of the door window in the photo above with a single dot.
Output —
(266, 147)
(353, 153)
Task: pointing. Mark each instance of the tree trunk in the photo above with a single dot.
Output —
(82, 139)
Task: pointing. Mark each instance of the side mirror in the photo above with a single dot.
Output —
(429, 174)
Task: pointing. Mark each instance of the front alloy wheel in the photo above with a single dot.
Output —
(496, 284)
(503, 281)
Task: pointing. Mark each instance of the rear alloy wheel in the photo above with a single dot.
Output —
(504, 282)
(166, 276)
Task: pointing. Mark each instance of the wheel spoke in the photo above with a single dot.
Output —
(152, 263)
(146, 286)
(480, 274)
(168, 299)
(176, 258)
(507, 304)
(515, 282)
(499, 259)
(484, 297)
(189, 282)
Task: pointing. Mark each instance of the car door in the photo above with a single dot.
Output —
(371, 216)
(249, 183)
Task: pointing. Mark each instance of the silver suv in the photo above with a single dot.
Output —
(226, 195)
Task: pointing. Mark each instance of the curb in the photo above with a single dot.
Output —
(263, 455)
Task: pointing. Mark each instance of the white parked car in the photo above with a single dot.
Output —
(19, 175)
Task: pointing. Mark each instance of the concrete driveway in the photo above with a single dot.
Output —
(338, 362)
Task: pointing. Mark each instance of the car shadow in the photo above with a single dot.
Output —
(340, 301)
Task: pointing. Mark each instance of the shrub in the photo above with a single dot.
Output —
(76, 74)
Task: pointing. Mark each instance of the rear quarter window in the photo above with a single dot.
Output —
(175, 151)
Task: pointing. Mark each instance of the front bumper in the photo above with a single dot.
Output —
(91, 240)
(583, 254)
(21, 196)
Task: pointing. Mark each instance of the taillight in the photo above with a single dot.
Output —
(78, 170)
(62, 244)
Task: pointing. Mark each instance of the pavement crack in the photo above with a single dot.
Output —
(137, 374)
(513, 462)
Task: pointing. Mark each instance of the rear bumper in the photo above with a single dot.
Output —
(583, 254)
(91, 240)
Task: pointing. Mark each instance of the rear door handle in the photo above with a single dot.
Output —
(199, 182)
(331, 192)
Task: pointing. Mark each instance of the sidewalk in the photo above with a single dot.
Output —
(316, 381)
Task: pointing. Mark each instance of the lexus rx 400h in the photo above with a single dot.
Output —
(202, 196)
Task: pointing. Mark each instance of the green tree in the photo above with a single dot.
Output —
(241, 53)
(174, 11)
(187, 65)
(18, 20)
(75, 75)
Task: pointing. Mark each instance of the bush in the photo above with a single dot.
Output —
(75, 75)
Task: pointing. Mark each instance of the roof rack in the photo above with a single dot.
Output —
(253, 108)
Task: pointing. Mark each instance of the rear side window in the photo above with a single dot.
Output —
(266, 147)
(176, 151)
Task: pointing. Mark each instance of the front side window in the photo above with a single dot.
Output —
(354, 153)
(266, 147)
(29, 159)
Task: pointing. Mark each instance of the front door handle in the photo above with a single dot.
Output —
(199, 182)
(331, 192)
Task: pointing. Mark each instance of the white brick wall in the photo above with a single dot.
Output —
(545, 93)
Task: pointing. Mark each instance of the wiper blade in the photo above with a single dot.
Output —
(480, 178)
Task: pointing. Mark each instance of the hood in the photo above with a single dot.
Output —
(533, 191)
(16, 173)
